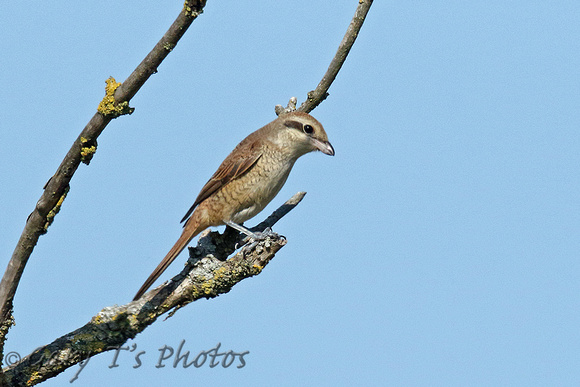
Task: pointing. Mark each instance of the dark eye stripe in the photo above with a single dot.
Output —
(293, 124)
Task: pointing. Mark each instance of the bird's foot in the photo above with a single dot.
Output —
(252, 241)
(259, 236)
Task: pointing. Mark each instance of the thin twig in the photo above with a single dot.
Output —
(208, 277)
(82, 149)
(316, 96)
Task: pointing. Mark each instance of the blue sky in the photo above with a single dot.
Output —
(438, 247)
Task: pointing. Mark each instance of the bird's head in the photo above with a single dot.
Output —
(303, 133)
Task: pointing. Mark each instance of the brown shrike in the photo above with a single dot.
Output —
(248, 179)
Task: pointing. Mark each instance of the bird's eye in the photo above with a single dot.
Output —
(308, 129)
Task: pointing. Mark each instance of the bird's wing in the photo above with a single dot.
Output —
(234, 166)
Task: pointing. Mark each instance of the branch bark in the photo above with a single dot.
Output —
(316, 96)
(207, 275)
(116, 103)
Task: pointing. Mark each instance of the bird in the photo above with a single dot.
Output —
(248, 179)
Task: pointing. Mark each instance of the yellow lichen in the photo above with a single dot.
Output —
(187, 10)
(52, 213)
(220, 272)
(190, 10)
(108, 106)
(207, 287)
(194, 293)
(34, 376)
(88, 149)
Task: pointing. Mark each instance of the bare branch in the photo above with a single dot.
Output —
(316, 96)
(205, 277)
(116, 103)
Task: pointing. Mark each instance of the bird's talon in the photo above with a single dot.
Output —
(249, 247)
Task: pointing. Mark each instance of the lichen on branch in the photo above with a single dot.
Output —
(108, 107)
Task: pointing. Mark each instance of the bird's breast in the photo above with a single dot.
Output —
(255, 189)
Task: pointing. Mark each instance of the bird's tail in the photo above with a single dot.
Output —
(188, 234)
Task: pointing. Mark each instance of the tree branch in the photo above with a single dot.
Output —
(206, 275)
(316, 96)
(115, 103)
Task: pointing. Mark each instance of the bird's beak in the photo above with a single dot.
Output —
(323, 146)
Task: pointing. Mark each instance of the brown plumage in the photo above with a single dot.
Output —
(248, 179)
